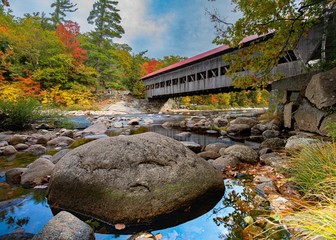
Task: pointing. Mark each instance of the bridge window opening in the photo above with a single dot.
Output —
(213, 73)
(147, 87)
(162, 84)
(289, 57)
(183, 79)
(175, 81)
(224, 69)
(157, 85)
(201, 75)
(191, 78)
(168, 83)
(152, 86)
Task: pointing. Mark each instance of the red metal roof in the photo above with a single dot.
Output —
(199, 57)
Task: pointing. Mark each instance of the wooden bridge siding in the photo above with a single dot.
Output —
(308, 44)
(287, 69)
(193, 86)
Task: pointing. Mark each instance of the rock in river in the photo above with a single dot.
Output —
(132, 179)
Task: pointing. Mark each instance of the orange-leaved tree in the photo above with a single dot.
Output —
(68, 34)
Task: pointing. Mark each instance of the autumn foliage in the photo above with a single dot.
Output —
(68, 34)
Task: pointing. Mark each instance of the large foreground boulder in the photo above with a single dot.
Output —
(132, 179)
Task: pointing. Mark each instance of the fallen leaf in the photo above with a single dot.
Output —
(120, 226)
(158, 236)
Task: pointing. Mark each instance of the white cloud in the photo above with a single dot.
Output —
(139, 23)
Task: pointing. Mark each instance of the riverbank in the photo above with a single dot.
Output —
(264, 170)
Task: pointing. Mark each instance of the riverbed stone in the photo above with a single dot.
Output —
(244, 120)
(17, 138)
(220, 121)
(3, 143)
(14, 175)
(17, 236)
(224, 162)
(195, 147)
(273, 143)
(243, 153)
(134, 121)
(65, 226)
(234, 129)
(37, 149)
(297, 142)
(97, 128)
(215, 147)
(209, 155)
(321, 90)
(308, 118)
(8, 150)
(21, 146)
(270, 134)
(36, 172)
(59, 140)
(152, 176)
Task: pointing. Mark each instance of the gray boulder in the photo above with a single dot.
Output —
(270, 134)
(327, 120)
(97, 128)
(55, 158)
(321, 90)
(152, 176)
(297, 142)
(222, 163)
(3, 143)
(242, 153)
(37, 172)
(220, 121)
(65, 226)
(21, 146)
(238, 129)
(8, 150)
(308, 118)
(209, 155)
(195, 147)
(244, 120)
(15, 139)
(273, 143)
(37, 149)
(60, 141)
(215, 147)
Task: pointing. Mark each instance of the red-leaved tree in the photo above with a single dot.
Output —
(68, 34)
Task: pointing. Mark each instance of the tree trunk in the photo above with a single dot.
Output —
(324, 32)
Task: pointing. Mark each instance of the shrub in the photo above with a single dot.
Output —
(17, 115)
(313, 168)
(20, 114)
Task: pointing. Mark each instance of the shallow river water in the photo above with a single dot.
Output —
(28, 210)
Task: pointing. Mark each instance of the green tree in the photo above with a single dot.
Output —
(287, 20)
(106, 19)
(61, 8)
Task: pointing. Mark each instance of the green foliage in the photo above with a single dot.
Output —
(61, 7)
(313, 168)
(256, 98)
(281, 22)
(19, 114)
(331, 129)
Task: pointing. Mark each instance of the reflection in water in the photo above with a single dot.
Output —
(29, 214)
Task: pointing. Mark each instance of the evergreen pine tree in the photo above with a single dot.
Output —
(61, 7)
(106, 18)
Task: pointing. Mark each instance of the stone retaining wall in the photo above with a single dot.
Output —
(306, 102)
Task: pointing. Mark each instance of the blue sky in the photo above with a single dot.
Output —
(163, 27)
